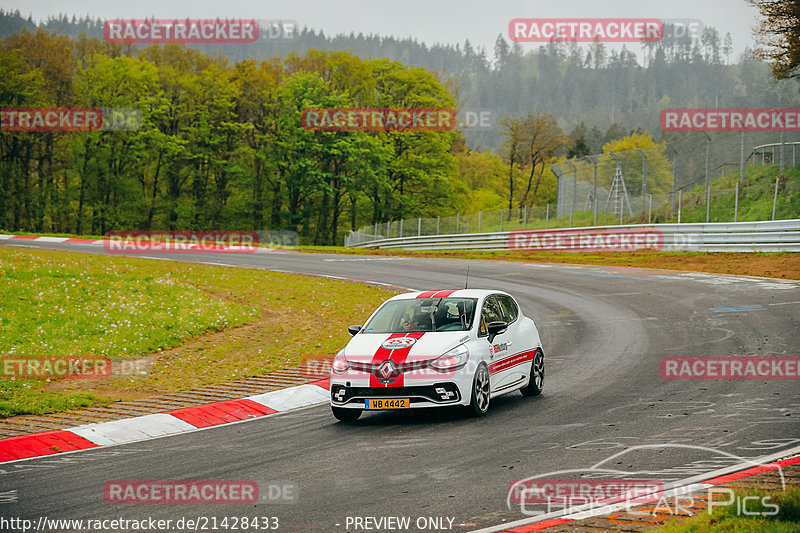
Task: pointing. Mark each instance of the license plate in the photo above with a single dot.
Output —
(389, 403)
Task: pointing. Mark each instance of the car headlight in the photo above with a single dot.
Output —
(452, 360)
(340, 364)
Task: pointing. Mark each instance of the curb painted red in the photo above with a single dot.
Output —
(760, 469)
(539, 526)
(199, 416)
(49, 443)
(214, 414)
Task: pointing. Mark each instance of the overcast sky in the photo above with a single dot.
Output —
(429, 21)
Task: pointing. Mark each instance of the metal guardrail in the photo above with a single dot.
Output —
(771, 236)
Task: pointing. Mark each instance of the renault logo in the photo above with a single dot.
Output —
(387, 369)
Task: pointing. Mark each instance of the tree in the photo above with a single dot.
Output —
(500, 52)
(659, 167)
(727, 47)
(579, 148)
(779, 36)
(513, 130)
(542, 138)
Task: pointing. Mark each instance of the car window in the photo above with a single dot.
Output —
(509, 307)
(423, 314)
(491, 312)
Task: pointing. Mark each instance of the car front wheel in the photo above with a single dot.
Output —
(480, 392)
(536, 379)
(346, 415)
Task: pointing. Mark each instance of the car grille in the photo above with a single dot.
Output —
(446, 393)
(390, 373)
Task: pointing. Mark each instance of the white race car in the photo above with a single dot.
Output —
(437, 348)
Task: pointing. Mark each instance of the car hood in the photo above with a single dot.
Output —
(367, 347)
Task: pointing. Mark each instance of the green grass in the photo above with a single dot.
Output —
(728, 518)
(93, 306)
(207, 324)
(27, 396)
(755, 198)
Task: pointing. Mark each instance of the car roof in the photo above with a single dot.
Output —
(443, 293)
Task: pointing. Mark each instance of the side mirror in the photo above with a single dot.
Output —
(496, 328)
(354, 329)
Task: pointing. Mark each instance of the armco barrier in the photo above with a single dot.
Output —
(771, 236)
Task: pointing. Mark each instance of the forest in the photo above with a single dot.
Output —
(220, 145)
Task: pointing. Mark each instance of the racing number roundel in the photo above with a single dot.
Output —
(400, 342)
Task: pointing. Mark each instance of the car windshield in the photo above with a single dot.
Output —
(423, 314)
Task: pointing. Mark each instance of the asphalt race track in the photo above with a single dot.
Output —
(604, 331)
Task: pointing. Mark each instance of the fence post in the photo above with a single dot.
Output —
(376, 231)
(708, 204)
(501, 219)
(742, 165)
(674, 185)
(438, 217)
(680, 197)
(525, 219)
(782, 149)
(650, 209)
(401, 228)
(574, 190)
(736, 205)
(547, 219)
(458, 215)
(419, 226)
(708, 159)
(644, 177)
(775, 198)
(594, 192)
(479, 221)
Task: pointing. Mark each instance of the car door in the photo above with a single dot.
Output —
(498, 348)
(518, 347)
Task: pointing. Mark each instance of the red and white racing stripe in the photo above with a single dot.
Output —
(511, 361)
(437, 294)
(398, 355)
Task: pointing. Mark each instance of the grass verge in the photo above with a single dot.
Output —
(190, 325)
(779, 513)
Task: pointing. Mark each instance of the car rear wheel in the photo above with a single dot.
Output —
(480, 392)
(536, 380)
(346, 415)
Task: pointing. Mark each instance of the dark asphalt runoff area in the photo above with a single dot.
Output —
(604, 332)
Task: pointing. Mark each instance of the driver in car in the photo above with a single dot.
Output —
(419, 320)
